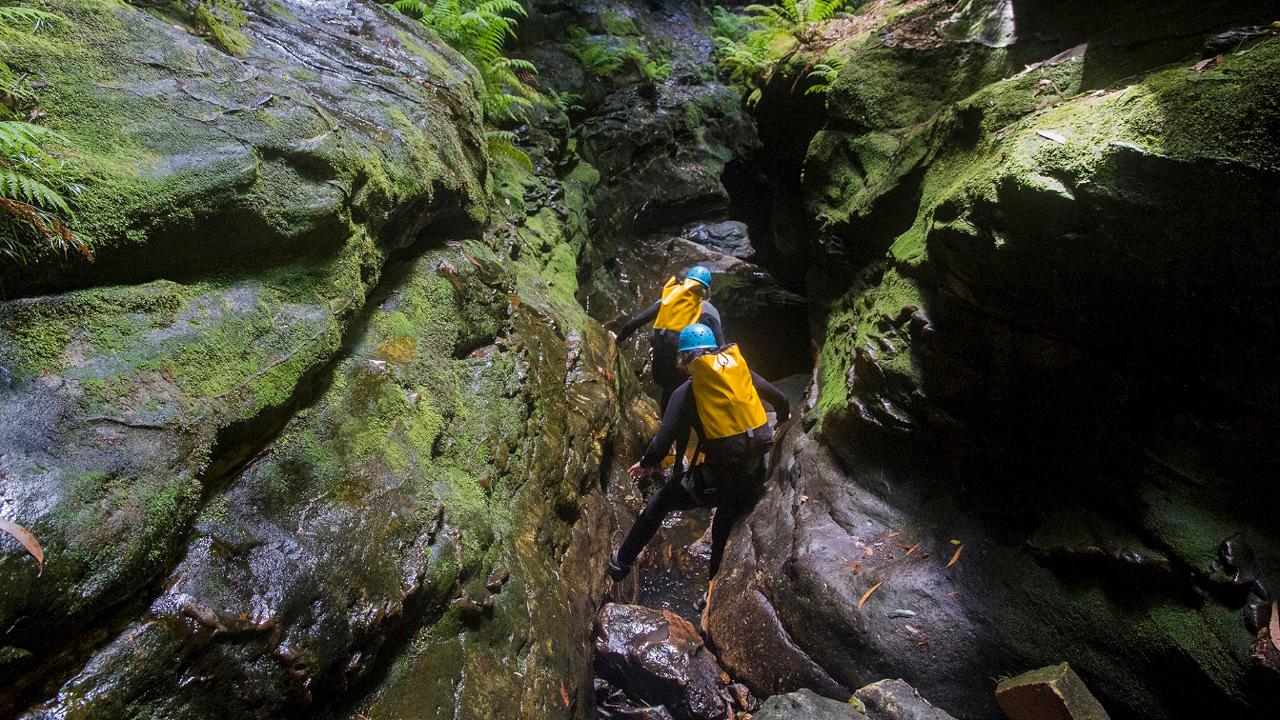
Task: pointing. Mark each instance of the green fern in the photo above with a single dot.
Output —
(798, 18)
(479, 29)
(747, 47)
(34, 208)
(501, 145)
(823, 75)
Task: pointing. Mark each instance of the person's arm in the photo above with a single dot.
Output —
(713, 322)
(634, 323)
(773, 396)
(673, 423)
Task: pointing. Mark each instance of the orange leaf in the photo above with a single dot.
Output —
(564, 695)
(856, 567)
(867, 594)
(869, 551)
(1275, 624)
(886, 536)
(956, 557)
(912, 549)
(27, 540)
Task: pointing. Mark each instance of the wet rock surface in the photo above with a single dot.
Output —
(1018, 356)
(805, 704)
(896, 700)
(659, 658)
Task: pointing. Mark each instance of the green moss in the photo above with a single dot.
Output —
(872, 318)
(617, 24)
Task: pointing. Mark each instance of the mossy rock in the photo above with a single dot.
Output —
(195, 163)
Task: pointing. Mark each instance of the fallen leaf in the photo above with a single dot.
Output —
(856, 567)
(956, 557)
(912, 549)
(911, 629)
(953, 594)
(564, 695)
(955, 542)
(1275, 624)
(26, 539)
(870, 551)
(922, 641)
(868, 593)
(804, 499)
(1051, 135)
(886, 536)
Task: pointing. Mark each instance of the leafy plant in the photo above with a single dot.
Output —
(33, 195)
(479, 29)
(750, 46)
(747, 61)
(501, 145)
(823, 75)
(565, 102)
(799, 18)
(606, 55)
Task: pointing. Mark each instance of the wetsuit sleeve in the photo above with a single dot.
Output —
(773, 396)
(713, 322)
(674, 421)
(645, 317)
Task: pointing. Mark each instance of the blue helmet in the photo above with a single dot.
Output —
(697, 337)
(700, 274)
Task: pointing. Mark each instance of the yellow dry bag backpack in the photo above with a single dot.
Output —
(728, 403)
(681, 305)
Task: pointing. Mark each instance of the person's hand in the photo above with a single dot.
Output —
(636, 471)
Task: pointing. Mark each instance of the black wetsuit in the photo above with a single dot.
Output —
(736, 461)
(665, 346)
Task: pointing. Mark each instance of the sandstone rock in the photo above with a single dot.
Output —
(805, 704)
(659, 658)
(1027, 324)
(729, 237)
(1050, 693)
(896, 700)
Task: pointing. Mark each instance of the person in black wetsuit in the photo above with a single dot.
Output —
(722, 402)
(683, 303)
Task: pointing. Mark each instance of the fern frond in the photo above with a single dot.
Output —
(18, 186)
(19, 138)
(501, 144)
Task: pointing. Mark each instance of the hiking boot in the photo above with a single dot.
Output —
(617, 571)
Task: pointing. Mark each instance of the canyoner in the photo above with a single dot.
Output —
(683, 303)
(721, 403)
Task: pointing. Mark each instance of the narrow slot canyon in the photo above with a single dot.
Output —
(313, 402)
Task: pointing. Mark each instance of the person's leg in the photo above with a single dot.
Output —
(731, 509)
(668, 498)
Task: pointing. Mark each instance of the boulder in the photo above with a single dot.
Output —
(658, 657)
(728, 237)
(805, 704)
(1050, 693)
(896, 700)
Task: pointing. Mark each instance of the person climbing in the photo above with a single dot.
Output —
(722, 403)
(683, 303)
